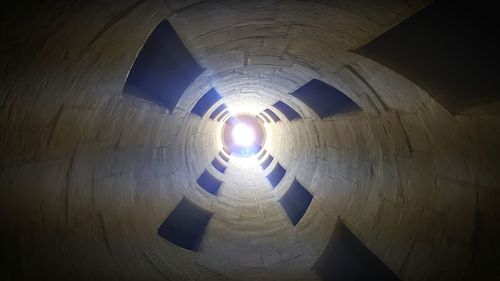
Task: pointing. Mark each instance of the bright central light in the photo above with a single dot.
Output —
(243, 135)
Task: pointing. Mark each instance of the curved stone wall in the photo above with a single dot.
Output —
(88, 174)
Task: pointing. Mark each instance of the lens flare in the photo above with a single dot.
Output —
(243, 135)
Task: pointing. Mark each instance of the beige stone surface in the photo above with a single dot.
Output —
(87, 174)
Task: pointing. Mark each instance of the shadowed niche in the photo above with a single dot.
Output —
(324, 99)
(185, 226)
(261, 154)
(451, 51)
(208, 182)
(163, 70)
(217, 111)
(289, 112)
(296, 201)
(223, 115)
(276, 175)
(267, 162)
(264, 117)
(206, 102)
(223, 156)
(272, 115)
(218, 165)
(345, 258)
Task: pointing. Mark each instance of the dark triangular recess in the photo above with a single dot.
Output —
(267, 162)
(163, 69)
(345, 258)
(208, 182)
(451, 51)
(206, 102)
(185, 226)
(324, 99)
(217, 111)
(296, 201)
(218, 165)
(272, 115)
(289, 112)
(276, 175)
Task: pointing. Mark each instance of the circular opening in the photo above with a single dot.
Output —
(243, 135)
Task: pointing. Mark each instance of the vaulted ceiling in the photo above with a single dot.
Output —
(371, 163)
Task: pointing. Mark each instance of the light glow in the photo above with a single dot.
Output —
(243, 135)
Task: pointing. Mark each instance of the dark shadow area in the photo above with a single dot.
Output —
(267, 162)
(226, 150)
(208, 182)
(289, 112)
(324, 99)
(272, 115)
(205, 102)
(263, 116)
(185, 226)
(218, 165)
(345, 258)
(276, 175)
(217, 111)
(296, 201)
(448, 49)
(223, 156)
(223, 115)
(163, 69)
(261, 154)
